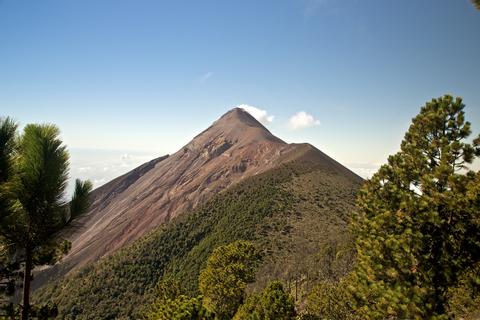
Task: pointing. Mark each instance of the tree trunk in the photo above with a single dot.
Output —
(296, 288)
(26, 284)
(439, 280)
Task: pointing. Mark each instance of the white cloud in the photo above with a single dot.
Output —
(364, 170)
(84, 169)
(99, 182)
(261, 115)
(206, 76)
(301, 120)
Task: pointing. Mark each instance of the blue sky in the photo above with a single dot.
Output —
(142, 77)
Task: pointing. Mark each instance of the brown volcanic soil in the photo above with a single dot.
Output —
(235, 147)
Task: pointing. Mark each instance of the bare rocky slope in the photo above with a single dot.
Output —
(233, 148)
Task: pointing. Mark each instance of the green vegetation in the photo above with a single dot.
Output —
(417, 230)
(464, 299)
(330, 300)
(299, 205)
(223, 281)
(33, 177)
(172, 303)
(418, 227)
(179, 308)
(272, 303)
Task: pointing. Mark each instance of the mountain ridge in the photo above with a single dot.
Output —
(233, 148)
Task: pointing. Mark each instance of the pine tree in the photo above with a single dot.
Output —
(330, 300)
(272, 303)
(179, 308)
(8, 268)
(34, 173)
(418, 224)
(172, 303)
(223, 281)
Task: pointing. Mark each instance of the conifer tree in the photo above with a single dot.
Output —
(330, 300)
(33, 177)
(173, 303)
(181, 307)
(8, 268)
(418, 224)
(272, 303)
(223, 281)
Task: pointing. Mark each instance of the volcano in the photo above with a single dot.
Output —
(235, 180)
(233, 148)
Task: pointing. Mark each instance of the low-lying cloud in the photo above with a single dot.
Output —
(302, 120)
(102, 166)
(261, 115)
(364, 170)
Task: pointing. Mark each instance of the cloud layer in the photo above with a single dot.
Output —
(101, 166)
(364, 170)
(301, 120)
(261, 115)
